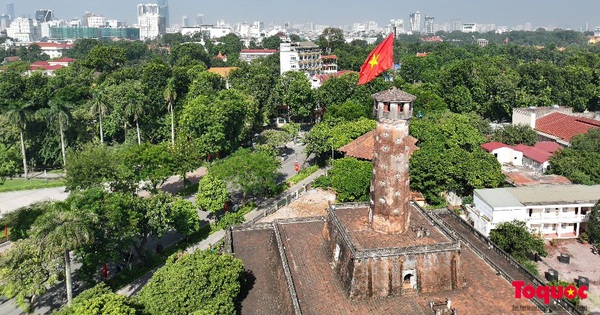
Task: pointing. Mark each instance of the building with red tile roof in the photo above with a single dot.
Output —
(536, 157)
(562, 128)
(317, 80)
(363, 147)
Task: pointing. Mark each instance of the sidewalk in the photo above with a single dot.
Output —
(134, 287)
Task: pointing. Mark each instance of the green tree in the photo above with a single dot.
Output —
(274, 138)
(100, 300)
(20, 221)
(60, 113)
(254, 172)
(351, 178)
(593, 229)
(135, 107)
(326, 137)
(271, 42)
(349, 111)
(98, 107)
(579, 162)
(9, 162)
(59, 231)
(170, 96)
(331, 39)
(199, 283)
(19, 115)
(93, 165)
(294, 91)
(212, 194)
(25, 274)
(515, 134)
(189, 54)
(105, 58)
(516, 240)
(153, 163)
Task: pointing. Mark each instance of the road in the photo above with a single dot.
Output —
(13, 200)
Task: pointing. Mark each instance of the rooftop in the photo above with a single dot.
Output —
(355, 221)
(539, 195)
(319, 289)
(222, 71)
(394, 95)
(363, 147)
(564, 126)
(258, 51)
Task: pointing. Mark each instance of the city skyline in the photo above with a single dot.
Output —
(547, 13)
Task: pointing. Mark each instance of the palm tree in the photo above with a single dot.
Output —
(19, 115)
(58, 232)
(135, 108)
(98, 106)
(170, 96)
(60, 112)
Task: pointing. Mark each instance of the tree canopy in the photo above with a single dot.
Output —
(199, 283)
(579, 162)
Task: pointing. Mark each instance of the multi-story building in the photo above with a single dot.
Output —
(210, 30)
(54, 50)
(559, 211)
(397, 26)
(71, 33)
(429, 25)
(185, 22)
(43, 15)
(150, 21)
(163, 10)
(4, 22)
(96, 21)
(301, 56)
(469, 27)
(22, 29)
(10, 10)
(415, 22)
(248, 55)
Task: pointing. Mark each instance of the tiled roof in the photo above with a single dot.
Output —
(564, 126)
(324, 77)
(329, 57)
(548, 146)
(520, 179)
(363, 147)
(222, 71)
(535, 154)
(54, 45)
(491, 146)
(64, 60)
(394, 95)
(258, 51)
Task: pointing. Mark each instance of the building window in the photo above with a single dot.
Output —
(386, 107)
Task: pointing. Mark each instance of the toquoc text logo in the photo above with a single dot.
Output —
(545, 292)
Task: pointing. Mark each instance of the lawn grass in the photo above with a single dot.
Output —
(23, 184)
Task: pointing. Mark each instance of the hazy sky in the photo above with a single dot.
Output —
(562, 13)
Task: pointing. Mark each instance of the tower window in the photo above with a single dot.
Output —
(386, 107)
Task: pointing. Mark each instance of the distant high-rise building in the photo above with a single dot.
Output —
(415, 22)
(151, 23)
(429, 25)
(185, 22)
(43, 15)
(163, 9)
(200, 19)
(10, 10)
(4, 22)
(397, 25)
(528, 27)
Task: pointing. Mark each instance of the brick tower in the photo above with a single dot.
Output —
(389, 204)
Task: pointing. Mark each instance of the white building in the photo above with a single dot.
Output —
(22, 30)
(551, 211)
(248, 55)
(211, 30)
(151, 23)
(96, 21)
(415, 22)
(302, 56)
(429, 25)
(469, 27)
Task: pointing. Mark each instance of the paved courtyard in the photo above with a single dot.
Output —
(583, 263)
(312, 204)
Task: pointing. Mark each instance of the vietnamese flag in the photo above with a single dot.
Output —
(379, 60)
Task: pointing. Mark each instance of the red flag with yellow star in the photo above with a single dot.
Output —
(379, 60)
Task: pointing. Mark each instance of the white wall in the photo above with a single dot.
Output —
(508, 156)
(483, 207)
